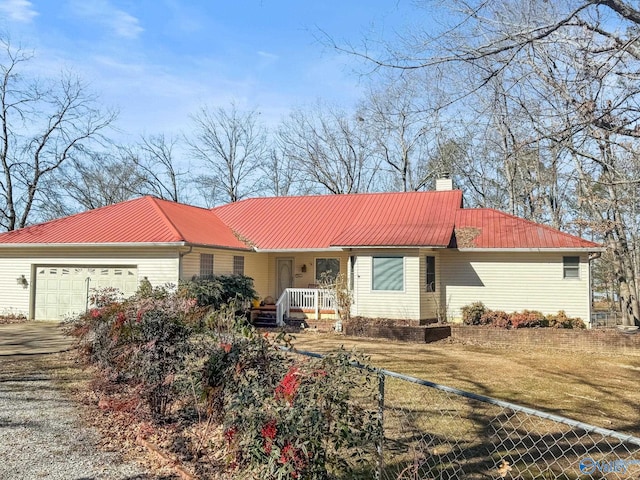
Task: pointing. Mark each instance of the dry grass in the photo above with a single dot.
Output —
(594, 388)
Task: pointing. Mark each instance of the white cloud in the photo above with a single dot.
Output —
(267, 55)
(104, 13)
(266, 59)
(18, 10)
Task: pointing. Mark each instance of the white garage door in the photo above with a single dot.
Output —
(61, 291)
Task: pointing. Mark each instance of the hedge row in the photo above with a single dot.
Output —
(188, 357)
(477, 314)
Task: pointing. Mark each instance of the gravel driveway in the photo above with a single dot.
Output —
(41, 436)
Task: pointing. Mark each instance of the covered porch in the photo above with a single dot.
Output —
(379, 283)
(295, 288)
(296, 306)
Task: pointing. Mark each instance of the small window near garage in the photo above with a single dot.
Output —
(431, 273)
(571, 267)
(388, 273)
(206, 264)
(327, 269)
(238, 265)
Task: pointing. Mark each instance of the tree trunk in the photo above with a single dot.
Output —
(629, 305)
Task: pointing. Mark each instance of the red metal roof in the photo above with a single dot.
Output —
(321, 222)
(385, 219)
(412, 219)
(398, 235)
(143, 220)
(488, 228)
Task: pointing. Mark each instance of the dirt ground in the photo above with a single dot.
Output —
(599, 389)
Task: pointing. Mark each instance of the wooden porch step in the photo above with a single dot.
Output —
(264, 316)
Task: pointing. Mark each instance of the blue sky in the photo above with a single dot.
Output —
(157, 61)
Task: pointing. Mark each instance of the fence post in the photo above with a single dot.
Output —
(380, 463)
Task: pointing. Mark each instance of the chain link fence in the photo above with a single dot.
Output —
(431, 431)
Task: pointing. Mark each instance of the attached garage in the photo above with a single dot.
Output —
(63, 290)
(49, 271)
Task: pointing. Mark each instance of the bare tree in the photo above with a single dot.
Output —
(231, 145)
(403, 128)
(98, 180)
(155, 161)
(332, 150)
(561, 78)
(43, 124)
(209, 190)
(282, 175)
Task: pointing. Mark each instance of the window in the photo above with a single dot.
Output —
(327, 269)
(388, 273)
(431, 273)
(570, 267)
(206, 264)
(238, 265)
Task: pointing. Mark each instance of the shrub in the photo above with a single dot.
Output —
(477, 314)
(156, 354)
(339, 286)
(102, 297)
(6, 318)
(496, 318)
(283, 416)
(527, 319)
(561, 320)
(143, 341)
(216, 291)
(472, 314)
(290, 418)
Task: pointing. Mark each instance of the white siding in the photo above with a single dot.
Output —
(401, 305)
(513, 282)
(158, 264)
(14, 298)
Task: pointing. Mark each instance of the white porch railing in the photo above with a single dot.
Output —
(316, 299)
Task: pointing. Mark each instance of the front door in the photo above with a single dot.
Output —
(284, 269)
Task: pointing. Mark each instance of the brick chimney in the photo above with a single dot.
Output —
(444, 183)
